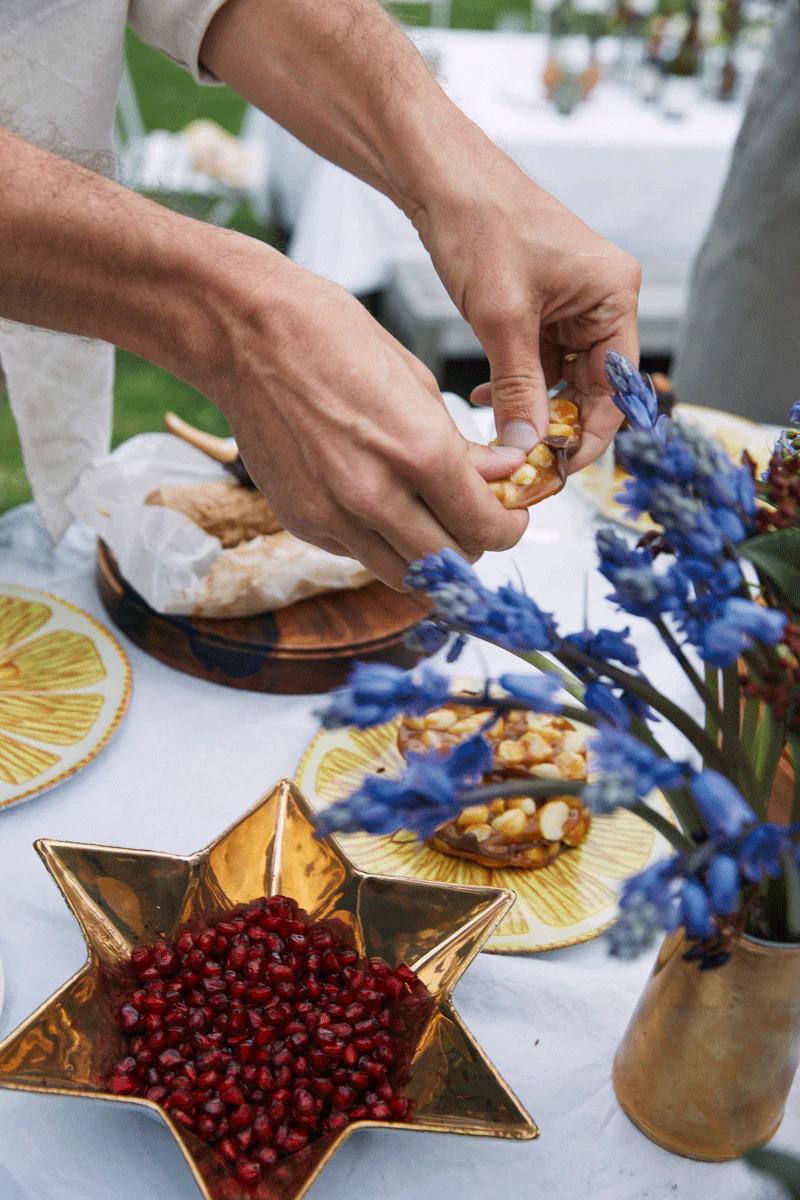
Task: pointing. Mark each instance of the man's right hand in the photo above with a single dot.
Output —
(341, 427)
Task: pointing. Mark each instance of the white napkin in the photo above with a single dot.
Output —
(60, 388)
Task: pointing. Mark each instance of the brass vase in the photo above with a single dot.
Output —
(708, 1058)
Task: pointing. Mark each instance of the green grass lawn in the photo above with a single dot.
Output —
(169, 99)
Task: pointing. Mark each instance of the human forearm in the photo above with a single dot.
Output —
(80, 254)
(538, 287)
(344, 78)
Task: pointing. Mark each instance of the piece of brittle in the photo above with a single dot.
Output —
(520, 831)
(544, 471)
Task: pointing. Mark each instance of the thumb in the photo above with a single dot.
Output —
(519, 390)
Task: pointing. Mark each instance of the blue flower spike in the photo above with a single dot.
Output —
(633, 394)
(722, 806)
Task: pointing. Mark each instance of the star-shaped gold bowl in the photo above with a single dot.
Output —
(123, 898)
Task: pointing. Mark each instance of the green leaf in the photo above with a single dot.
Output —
(785, 1168)
(776, 556)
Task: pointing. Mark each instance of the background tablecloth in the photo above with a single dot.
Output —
(647, 182)
(189, 758)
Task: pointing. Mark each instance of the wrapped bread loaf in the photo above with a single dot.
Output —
(222, 508)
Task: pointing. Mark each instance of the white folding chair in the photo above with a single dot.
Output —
(161, 164)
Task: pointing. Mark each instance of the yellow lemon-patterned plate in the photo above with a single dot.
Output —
(601, 482)
(572, 900)
(65, 683)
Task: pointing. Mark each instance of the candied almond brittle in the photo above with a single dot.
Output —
(543, 473)
(516, 831)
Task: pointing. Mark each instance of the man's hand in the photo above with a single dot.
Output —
(343, 429)
(340, 426)
(534, 282)
(545, 295)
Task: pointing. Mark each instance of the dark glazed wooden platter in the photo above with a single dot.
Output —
(308, 647)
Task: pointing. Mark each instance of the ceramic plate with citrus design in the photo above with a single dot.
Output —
(601, 482)
(570, 901)
(64, 686)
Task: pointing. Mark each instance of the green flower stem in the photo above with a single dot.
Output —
(794, 746)
(645, 691)
(712, 684)
(750, 726)
(683, 806)
(535, 788)
(769, 746)
(791, 876)
(733, 747)
(710, 701)
(570, 682)
(661, 825)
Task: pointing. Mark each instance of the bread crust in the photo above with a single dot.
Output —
(222, 508)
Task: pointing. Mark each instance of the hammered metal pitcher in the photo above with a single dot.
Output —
(708, 1058)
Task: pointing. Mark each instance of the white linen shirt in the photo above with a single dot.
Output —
(60, 68)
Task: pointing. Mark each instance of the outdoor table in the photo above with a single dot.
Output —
(189, 758)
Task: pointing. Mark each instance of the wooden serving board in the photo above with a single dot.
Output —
(308, 647)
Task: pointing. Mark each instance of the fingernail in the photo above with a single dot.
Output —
(508, 451)
(520, 434)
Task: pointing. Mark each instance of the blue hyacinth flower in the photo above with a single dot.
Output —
(722, 806)
(633, 394)
(724, 884)
(537, 692)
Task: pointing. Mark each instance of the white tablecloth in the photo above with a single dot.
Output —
(188, 759)
(646, 182)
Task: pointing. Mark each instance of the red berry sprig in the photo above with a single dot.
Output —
(780, 488)
(265, 1031)
(779, 687)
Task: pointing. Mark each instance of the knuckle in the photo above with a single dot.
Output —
(362, 496)
(498, 530)
(426, 377)
(312, 522)
(479, 536)
(629, 271)
(515, 393)
(495, 318)
(427, 459)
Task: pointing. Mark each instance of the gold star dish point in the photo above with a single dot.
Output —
(124, 898)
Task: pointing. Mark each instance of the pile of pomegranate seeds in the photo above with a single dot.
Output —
(265, 1031)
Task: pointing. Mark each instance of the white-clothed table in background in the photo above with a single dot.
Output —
(647, 182)
(189, 758)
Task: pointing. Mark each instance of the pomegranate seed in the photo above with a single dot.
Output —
(141, 958)
(123, 1085)
(230, 1148)
(262, 1032)
(343, 1097)
(304, 1103)
(336, 1121)
(248, 1173)
(129, 1017)
(241, 1117)
(231, 1093)
(295, 1140)
(262, 1129)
